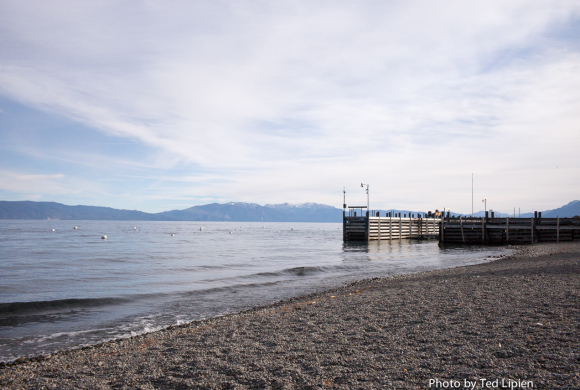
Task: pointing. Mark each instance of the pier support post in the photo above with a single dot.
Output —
(483, 230)
(400, 228)
(367, 227)
(343, 225)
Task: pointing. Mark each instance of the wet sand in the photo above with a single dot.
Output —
(513, 319)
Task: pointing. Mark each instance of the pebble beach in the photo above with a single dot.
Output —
(513, 322)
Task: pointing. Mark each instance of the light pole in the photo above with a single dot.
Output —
(485, 206)
(362, 185)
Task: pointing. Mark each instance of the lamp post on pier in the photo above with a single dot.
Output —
(362, 185)
(485, 207)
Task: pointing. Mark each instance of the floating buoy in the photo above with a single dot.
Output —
(236, 228)
(75, 228)
(135, 227)
(53, 230)
(172, 234)
(230, 232)
(292, 229)
(104, 237)
(278, 231)
(262, 227)
(201, 228)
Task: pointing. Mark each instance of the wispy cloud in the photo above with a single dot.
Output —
(31, 183)
(290, 101)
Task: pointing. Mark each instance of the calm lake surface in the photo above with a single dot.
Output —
(66, 288)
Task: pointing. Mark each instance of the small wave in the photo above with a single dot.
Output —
(232, 287)
(58, 335)
(305, 271)
(15, 308)
(296, 271)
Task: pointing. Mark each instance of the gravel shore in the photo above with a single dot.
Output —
(515, 320)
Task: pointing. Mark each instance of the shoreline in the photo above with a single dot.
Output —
(461, 323)
(284, 301)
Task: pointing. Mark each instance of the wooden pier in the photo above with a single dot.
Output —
(459, 230)
(368, 228)
(498, 231)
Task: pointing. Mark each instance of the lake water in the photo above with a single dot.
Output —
(66, 288)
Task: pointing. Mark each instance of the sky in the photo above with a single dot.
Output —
(156, 106)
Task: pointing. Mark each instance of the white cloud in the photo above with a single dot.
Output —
(27, 183)
(289, 101)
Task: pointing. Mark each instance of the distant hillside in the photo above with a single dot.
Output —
(242, 212)
(572, 209)
(233, 211)
(52, 210)
(248, 212)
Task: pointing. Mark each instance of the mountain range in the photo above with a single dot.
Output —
(233, 211)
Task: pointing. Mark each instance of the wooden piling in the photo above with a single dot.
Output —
(400, 228)
(367, 227)
(343, 225)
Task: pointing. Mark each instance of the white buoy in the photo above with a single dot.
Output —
(236, 228)
(201, 228)
(104, 237)
(230, 232)
(53, 230)
(262, 227)
(75, 228)
(292, 229)
(135, 227)
(278, 231)
(172, 234)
